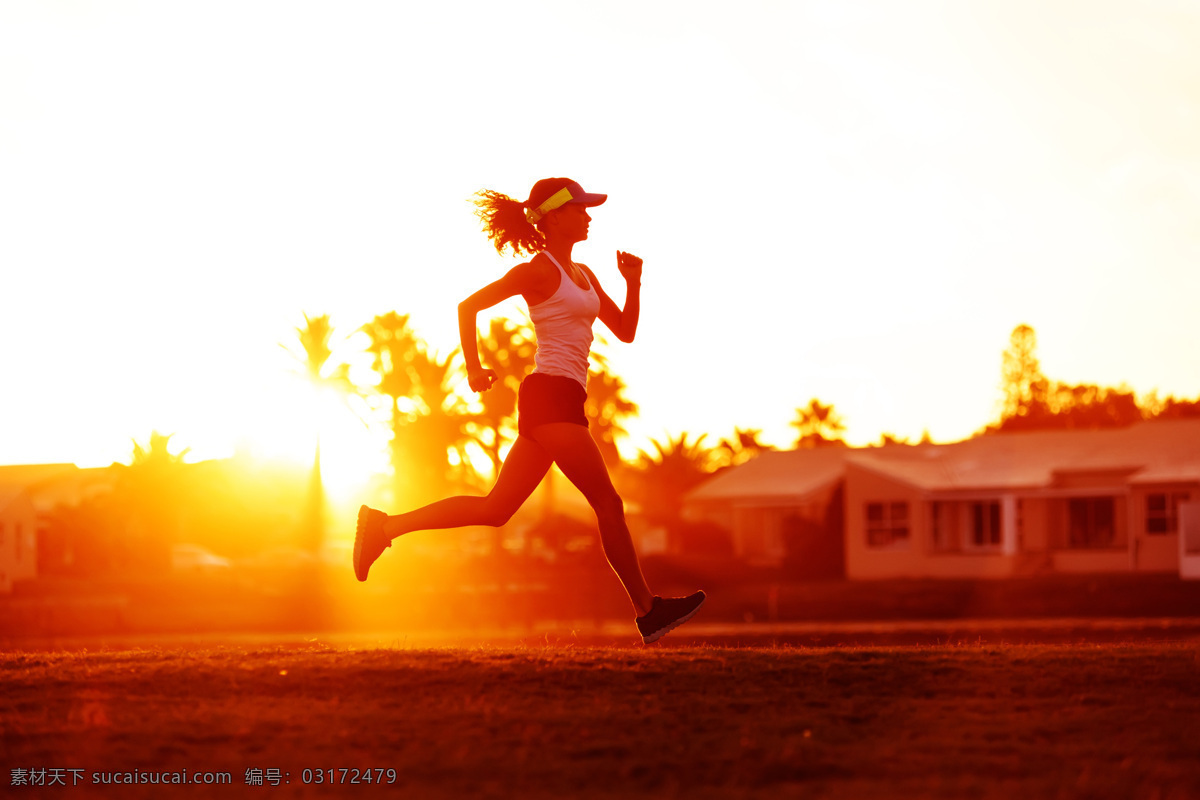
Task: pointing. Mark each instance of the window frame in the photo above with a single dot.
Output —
(1168, 515)
(991, 514)
(891, 529)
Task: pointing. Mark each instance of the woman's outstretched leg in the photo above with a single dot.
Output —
(575, 452)
(521, 472)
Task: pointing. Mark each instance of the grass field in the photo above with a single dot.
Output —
(564, 720)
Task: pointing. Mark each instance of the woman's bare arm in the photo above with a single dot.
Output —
(622, 322)
(522, 279)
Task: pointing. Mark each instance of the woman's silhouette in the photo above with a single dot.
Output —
(564, 301)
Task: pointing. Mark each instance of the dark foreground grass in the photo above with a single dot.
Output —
(1030, 721)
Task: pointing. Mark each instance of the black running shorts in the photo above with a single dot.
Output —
(549, 398)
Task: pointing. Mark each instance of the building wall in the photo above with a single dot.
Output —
(901, 559)
(18, 541)
(1082, 561)
(1189, 540)
(1041, 527)
(1037, 540)
(1154, 551)
(1033, 528)
(715, 513)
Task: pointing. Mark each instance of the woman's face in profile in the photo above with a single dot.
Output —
(571, 222)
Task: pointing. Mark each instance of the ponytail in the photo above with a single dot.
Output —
(505, 224)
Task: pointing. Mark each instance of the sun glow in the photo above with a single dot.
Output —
(290, 422)
(918, 179)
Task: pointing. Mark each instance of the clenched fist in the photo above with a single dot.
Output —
(630, 266)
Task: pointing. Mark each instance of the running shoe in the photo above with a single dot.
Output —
(666, 614)
(369, 540)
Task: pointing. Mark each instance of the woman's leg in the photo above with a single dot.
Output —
(521, 472)
(571, 447)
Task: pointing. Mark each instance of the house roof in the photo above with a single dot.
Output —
(1163, 451)
(50, 485)
(1176, 445)
(30, 475)
(776, 475)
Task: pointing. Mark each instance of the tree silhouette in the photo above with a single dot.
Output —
(427, 420)
(668, 472)
(392, 344)
(740, 447)
(1091, 406)
(890, 439)
(156, 457)
(508, 349)
(1169, 407)
(149, 496)
(1026, 389)
(324, 372)
(818, 425)
(439, 425)
(607, 408)
(1033, 402)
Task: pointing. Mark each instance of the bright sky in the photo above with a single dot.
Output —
(850, 201)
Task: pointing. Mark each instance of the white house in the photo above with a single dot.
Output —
(18, 536)
(989, 507)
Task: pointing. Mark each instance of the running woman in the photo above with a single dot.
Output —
(564, 300)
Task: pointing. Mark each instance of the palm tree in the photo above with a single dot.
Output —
(427, 420)
(891, 440)
(509, 350)
(742, 446)
(156, 454)
(392, 344)
(323, 371)
(151, 489)
(607, 408)
(440, 424)
(818, 425)
(669, 473)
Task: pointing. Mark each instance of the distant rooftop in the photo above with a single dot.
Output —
(49, 485)
(783, 475)
(1163, 451)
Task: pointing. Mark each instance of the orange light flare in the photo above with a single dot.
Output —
(295, 414)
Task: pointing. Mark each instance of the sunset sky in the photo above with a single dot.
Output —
(851, 201)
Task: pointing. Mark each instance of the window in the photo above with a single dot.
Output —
(1091, 522)
(887, 524)
(985, 524)
(1162, 512)
(971, 526)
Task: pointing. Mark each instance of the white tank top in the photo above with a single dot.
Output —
(562, 324)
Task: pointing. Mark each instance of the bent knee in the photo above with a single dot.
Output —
(609, 506)
(497, 514)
